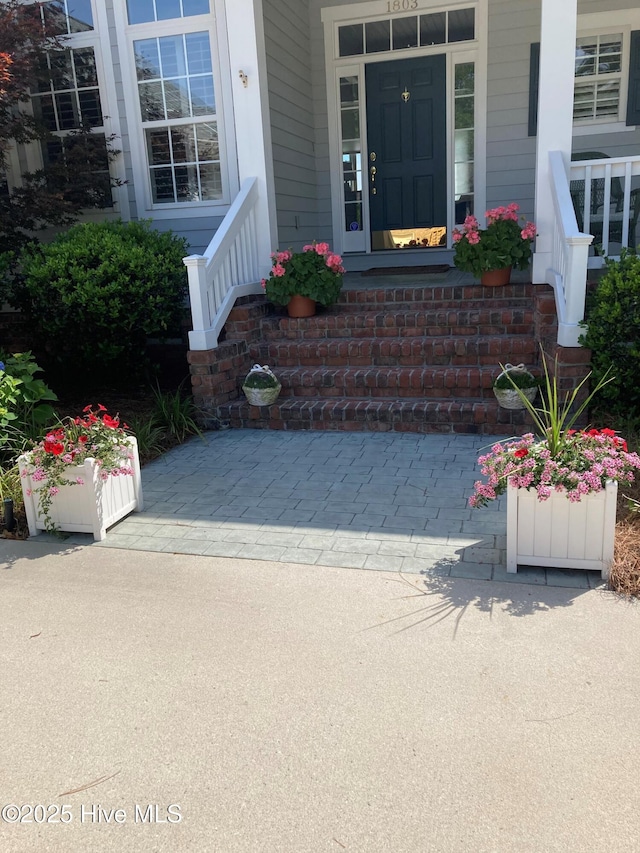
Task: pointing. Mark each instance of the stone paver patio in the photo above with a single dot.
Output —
(380, 501)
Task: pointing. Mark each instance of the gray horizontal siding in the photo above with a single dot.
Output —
(292, 120)
(513, 25)
(197, 230)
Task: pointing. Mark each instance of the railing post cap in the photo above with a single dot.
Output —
(580, 239)
(194, 260)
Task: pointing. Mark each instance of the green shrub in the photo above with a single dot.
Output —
(613, 335)
(25, 404)
(97, 292)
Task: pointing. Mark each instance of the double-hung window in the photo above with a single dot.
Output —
(598, 82)
(176, 98)
(69, 99)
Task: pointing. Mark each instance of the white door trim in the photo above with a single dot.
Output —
(476, 51)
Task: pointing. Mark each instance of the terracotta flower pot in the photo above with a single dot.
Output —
(496, 278)
(301, 306)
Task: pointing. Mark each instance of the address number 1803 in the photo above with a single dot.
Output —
(401, 5)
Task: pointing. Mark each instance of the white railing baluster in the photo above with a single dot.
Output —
(626, 205)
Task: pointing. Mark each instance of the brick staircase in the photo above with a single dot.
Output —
(418, 359)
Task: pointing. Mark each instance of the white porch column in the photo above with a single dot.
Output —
(247, 59)
(555, 115)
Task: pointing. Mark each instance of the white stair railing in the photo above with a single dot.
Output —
(569, 257)
(228, 269)
(607, 202)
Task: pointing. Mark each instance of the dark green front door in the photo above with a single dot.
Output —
(407, 156)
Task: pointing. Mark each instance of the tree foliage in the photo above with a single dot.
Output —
(76, 178)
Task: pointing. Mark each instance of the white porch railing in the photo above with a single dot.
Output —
(606, 196)
(229, 268)
(569, 255)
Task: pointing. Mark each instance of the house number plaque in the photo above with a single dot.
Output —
(401, 5)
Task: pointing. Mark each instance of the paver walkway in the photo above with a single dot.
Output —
(380, 501)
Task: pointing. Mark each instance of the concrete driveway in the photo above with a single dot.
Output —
(276, 707)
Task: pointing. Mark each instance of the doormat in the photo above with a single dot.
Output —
(430, 270)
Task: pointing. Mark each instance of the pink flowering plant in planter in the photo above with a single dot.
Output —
(584, 463)
(560, 459)
(505, 242)
(315, 272)
(95, 436)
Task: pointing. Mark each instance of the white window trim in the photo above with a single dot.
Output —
(468, 51)
(214, 24)
(610, 23)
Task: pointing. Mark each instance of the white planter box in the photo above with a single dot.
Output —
(559, 534)
(88, 508)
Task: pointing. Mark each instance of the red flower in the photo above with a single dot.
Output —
(521, 453)
(608, 432)
(87, 408)
(101, 408)
(55, 447)
(82, 439)
(108, 421)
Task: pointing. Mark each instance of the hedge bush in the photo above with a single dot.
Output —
(613, 335)
(97, 292)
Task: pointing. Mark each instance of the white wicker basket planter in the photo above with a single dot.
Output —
(88, 508)
(559, 534)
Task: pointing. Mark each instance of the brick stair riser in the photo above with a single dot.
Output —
(419, 297)
(400, 416)
(402, 324)
(452, 383)
(393, 353)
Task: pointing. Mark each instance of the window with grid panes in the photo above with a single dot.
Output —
(178, 111)
(68, 101)
(598, 78)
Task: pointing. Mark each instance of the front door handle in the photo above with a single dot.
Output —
(373, 172)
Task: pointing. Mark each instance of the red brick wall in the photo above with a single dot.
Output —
(216, 374)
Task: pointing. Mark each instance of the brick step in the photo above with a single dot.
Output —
(388, 382)
(350, 414)
(367, 352)
(403, 323)
(439, 295)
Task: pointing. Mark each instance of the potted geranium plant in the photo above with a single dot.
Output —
(82, 477)
(299, 280)
(490, 253)
(561, 486)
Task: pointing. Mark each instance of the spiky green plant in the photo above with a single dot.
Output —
(558, 413)
(176, 414)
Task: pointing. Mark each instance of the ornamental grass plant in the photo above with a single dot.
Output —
(505, 242)
(315, 272)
